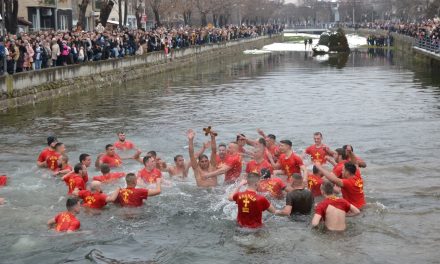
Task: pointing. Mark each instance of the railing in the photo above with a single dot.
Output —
(428, 45)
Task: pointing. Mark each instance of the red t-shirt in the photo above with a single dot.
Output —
(74, 181)
(275, 151)
(250, 208)
(317, 154)
(109, 177)
(92, 200)
(254, 167)
(219, 161)
(290, 165)
(3, 180)
(234, 162)
(334, 201)
(66, 221)
(149, 176)
(353, 191)
(51, 157)
(337, 170)
(113, 162)
(132, 197)
(126, 145)
(274, 186)
(314, 182)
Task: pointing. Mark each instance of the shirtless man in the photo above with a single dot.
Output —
(332, 210)
(201, 165)
(180, 168)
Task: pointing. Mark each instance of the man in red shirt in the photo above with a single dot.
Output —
(271, 144)
(132, 196)
(74, 179)
(86, 161)
(66, 221)
(352, 185)
(250, 204)
(289, 163)
(319, 152)
(341, 159)
(49, 157)
(108, 176)
(332, 210)
(122, 143)
(149, 173)
(95, 199)
(232, 167)
(315, 181)
(348, 149)
(109, 157)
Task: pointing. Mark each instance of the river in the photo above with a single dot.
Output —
(378, 102)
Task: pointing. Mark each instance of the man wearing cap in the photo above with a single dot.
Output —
(49, 157)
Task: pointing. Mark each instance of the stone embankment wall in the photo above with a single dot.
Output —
(405, 44)
(35, 86)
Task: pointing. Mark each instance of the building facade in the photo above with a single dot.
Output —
(47, 14)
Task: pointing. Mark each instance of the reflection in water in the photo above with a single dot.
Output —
(387, 110)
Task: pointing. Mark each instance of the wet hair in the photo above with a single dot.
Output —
(70, 203)
(152, 153)
(222, 145)
(286, 142)
(202, 156)
(318, 134)
(262, 141)
(105, 168)
(120, 132)
(65, 158)
(59, 144)
(77, 167)
(342, 153)
(253, 178)
(345, 148)
(315, 170)
(147, 158)
(238, 137)
(327, 187)
(177, 156)
(350, 168)
(272, 136)
(108, 146)
(130, 178)
(83, 157)
(297, 177)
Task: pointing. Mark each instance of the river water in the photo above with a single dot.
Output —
(386, 108)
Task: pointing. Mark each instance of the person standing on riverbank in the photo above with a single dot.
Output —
(250, 204)
(66, 221)
(333, 210)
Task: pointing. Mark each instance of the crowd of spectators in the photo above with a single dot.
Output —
(39, 50)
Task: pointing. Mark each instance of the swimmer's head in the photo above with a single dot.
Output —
(72, 205)
(253, 179)
(285, 145)
(222, 150)
(271, 137)
(121, 136)
(149, 162)
(179, 160)
(64, 159)
(259, 153)
(110, 150)
(327, 188)
(152, 153)
(317, 172)
(78, 168)
(85, 159)
(95, 186)
(130, 179)
(105, 168)
(297, 179)
(349, 170)
(317, 137)
(340, 155)
(232, 148)
(203, 161)
(241, 140)
(52, 141)
(60, 147)
(262, 142)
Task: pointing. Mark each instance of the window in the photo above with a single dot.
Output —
(63, 22)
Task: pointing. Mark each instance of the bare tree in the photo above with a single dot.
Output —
(80, 25)
(125, 12)
(11, 12)
(138, 13)
(120, 12)
(106, 9)
(185, 7)
(158, 7)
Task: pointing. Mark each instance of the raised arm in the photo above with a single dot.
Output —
(191, 134)
(213, 159)
(330, 175)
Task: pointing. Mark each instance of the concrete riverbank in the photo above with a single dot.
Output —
(35, 86)
(406, 45)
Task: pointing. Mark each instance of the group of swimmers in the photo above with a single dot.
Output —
(273, 170)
